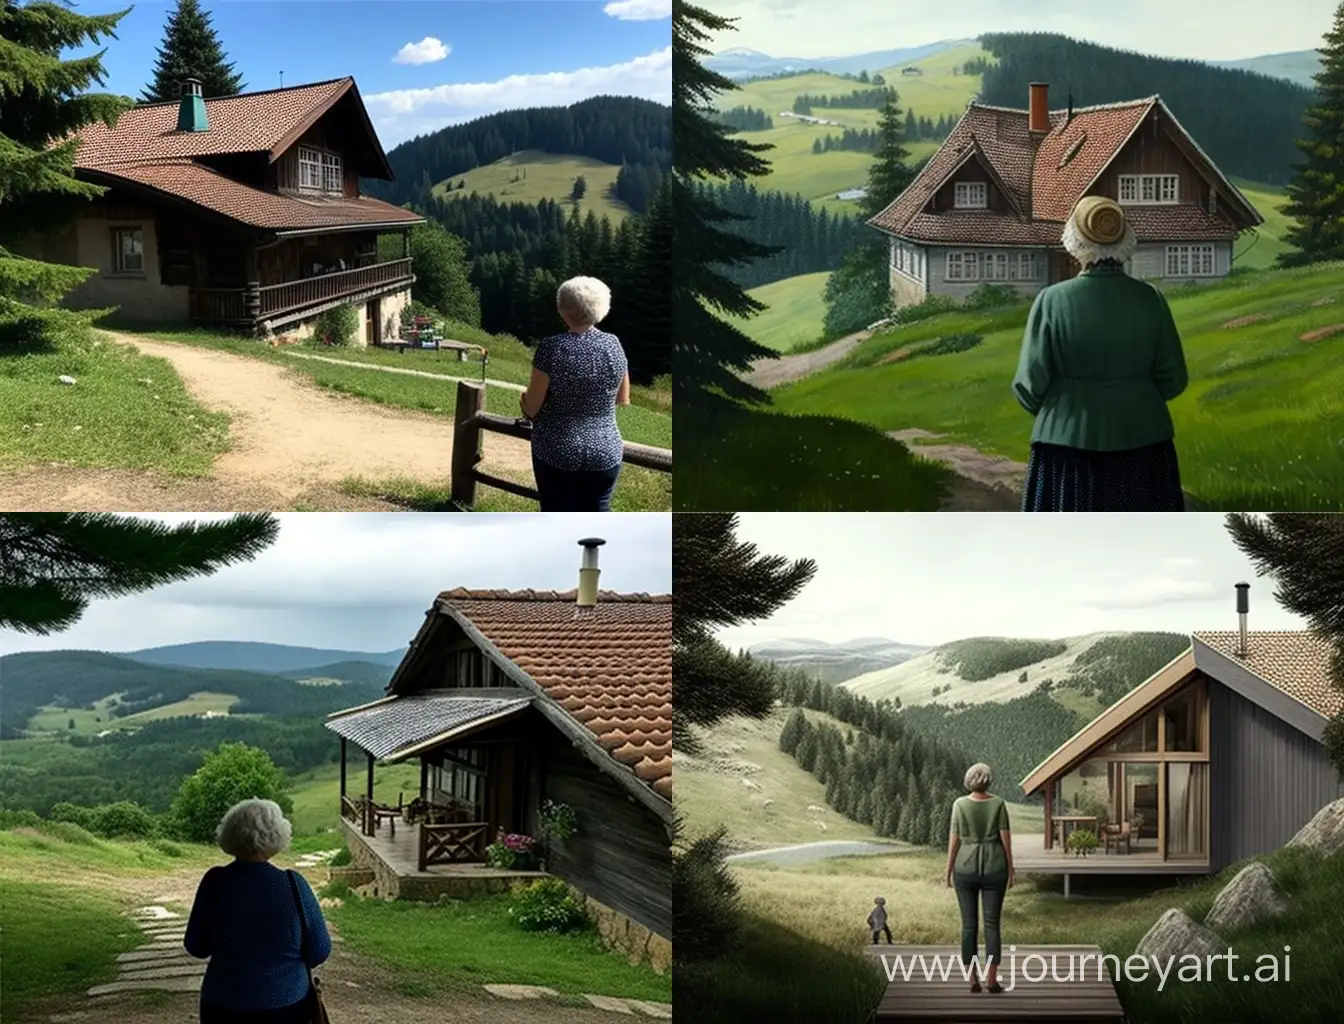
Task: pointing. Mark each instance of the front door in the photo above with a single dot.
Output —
(372, 325)
(1062, 267)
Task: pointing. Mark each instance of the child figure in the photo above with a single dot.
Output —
(877, 920)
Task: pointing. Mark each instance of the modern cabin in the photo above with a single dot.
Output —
(1215, 758)
(243, 211)
(990, 205)
(510, 699)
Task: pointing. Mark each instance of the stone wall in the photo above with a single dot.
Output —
(630, 938)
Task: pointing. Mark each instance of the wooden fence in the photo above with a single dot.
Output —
(470, 424)
(462, 843)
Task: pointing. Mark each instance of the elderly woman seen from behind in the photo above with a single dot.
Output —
(260, 926)
(578, 379)
(980, 866)
(1100, 360)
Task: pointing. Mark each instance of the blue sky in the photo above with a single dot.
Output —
(459, 60)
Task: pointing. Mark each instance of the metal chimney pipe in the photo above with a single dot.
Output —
(1243, 609)
(589, 572)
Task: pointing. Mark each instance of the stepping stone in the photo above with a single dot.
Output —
(612, 1003)
(160, 955)
(191, 984)
(138, 972)
(660, 1010)
(520, 991)
(176, 929)
(153, 912)
(174, 933)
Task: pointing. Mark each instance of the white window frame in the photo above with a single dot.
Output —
(1197, 260)
(970, 195)
(966, 262)
(333, 179)
(310, 168)
(1023, 267)
(119, 254)
(1149, 189)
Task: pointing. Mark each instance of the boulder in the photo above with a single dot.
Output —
(1250, 897)
(1176, 934)
(1324, 833)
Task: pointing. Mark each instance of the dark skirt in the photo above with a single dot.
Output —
(1061, 479)
(295, 1013)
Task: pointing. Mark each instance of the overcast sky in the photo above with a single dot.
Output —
(362, 581)
(1204, 29)
(928, 578)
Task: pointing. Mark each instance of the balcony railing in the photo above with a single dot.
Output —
(218, 304)
(451, 844)
(256, 303)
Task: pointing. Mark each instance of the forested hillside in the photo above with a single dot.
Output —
(633, 134)
(252, 656)
(1245, 121)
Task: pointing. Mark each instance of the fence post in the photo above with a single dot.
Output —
(252, 303)
(466, 442)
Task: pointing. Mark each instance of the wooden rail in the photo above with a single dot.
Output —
(470, 424)
(461, 843)
(216, 304)
(281, 298)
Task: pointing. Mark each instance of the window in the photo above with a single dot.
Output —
(128, 250)
(1190, 261)
(1024, 267)
(963, 266)
(310, 168)
(971, 194)
(1150, 188)
(332, 180)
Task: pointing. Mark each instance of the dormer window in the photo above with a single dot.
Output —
(319, 171)
(1150, 189)
(971, 195)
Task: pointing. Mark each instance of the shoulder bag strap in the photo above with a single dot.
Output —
(303, 924)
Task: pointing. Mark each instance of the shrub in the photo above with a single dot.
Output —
(69, 832)
(948, 344)
(990, 296)
(124, 818)
(337, 888)
(706, 901)
(546, 905)
(497, 855)
(342, 858)
(933, 305)
(557, 821)
(231, 773)
(1082, 841)
(338, 326)
(19, 819)
(168, 849)
(82, 816)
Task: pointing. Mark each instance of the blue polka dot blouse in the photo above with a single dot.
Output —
(576, 427)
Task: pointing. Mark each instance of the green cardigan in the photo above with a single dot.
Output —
(1100, 360)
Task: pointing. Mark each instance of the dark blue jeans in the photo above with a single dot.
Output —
(297, 1013)
(971, 890)
(574, 490)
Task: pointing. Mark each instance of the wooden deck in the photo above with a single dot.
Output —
(1031, 857)
(1088, 998)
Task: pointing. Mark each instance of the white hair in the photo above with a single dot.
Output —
(978, 777)
(253, 828)
(1086, 251)
(586, 299)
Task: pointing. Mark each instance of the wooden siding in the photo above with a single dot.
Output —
(620, 855)
(290, 259)
(1266, 778)
(330, 134)
(945, 198)
(1151, 151)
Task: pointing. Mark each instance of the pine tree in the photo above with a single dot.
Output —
(1304, 553)
(792, 731)
(191, 49)
(707, 352)
(53, 564)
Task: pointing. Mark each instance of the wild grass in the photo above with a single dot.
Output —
(317, 794)
(549, 176)
(795, 314)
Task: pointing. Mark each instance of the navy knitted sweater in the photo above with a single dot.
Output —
(244, 919)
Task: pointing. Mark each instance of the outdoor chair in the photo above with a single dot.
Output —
(1114, 835)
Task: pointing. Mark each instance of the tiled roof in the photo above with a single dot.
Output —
(248, 123)
(975, 228)
(390, 726)
(1298, 663)
(610, 666)
(1055, 189)
(254, 206)
(1179, 223)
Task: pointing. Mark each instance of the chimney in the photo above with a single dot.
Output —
(1039, 120)
(1243, 609)
(589, 572)
(191, 108)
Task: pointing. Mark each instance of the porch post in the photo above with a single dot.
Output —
(424, 777)
(342, 766)
(368, 806)
(1049, 814)
(405, 243)
(252, 291)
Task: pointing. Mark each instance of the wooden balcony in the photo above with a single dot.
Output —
(257, 303)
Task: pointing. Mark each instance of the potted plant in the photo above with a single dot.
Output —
(1082, 841)
(523, 849)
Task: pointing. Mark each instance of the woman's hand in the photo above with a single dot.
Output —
(1012, 876)
(948, 879)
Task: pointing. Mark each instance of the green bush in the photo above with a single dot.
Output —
(1082, 841)
(933, 305)
(337, 888)
(19, 819)
(231, 773)
(337, 326)
(947, 345)
(991, 296)
(168, 849)
(546, 905)
(342, 858)
(123, 818)
(82, 816)
(69, 832)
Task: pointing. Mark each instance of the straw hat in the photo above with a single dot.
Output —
(1099, 220)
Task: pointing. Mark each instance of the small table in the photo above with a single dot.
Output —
(1077, 821)
(388, 814)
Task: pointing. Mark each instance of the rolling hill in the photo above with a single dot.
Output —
(742, 62)
(248, 656)
(530, 176)
(1298, 66)
(836, 662)
(794, 315)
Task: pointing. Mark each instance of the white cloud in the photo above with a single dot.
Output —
(427, 51)
(639, 10)
(403, 113)
(1148, 591)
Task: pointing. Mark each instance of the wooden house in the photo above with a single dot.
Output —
(1215, 758)
(990, 205)
(508, 699)
(242, 211)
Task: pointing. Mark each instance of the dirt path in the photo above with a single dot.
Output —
(407, 371)
(983, 483)
(771, 373)
(293, 443)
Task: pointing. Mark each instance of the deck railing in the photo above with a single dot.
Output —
(217, 304)
(462, 843)
(352, 813)
(281, 298)
(471, 422)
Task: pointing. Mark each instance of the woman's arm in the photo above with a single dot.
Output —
(623, 392)
(196, 941)
(319, 939)
(1006, 838)
(953, 845)
(535, 394)
(1169, 370)
(1033, 364)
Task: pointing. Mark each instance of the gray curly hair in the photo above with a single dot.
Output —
(584, 300)
(978, 777)
(253, 828)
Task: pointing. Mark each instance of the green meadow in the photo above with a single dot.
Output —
(548, 176)
(794, 312)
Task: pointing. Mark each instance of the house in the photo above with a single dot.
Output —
(1215, 758)
(242, 211)
(990, 205)
(508, 699)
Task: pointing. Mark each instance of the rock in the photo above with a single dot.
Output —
(611, 1003)
(191, 984)
(1250, 897)
(813, 808)
(660, 954)
(767, 803)
(520, 991)
(750, 784)
(66, 379)
(663, 1011)
(1176, 934)
(1324, 833)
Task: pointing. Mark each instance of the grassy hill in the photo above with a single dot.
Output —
(250, 656)
(91, 722)
(548, 176)
(795, 314)
(1259, 250)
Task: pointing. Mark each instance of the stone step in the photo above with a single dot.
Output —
(167, 933)
(137, 955)
(188, 984)
(139, 972)
(631, 1007)
(520, 991)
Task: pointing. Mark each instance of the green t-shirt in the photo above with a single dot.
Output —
(979, 823)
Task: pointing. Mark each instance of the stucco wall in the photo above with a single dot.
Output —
(137, 296)
(905, 291)
(388, 306)
(959, 290)
(391, 307)
(1149, 262)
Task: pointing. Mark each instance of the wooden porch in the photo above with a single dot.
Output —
(1086, 995)
(286, 301)
(1030, 856)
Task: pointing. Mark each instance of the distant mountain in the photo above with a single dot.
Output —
(246, 656)
(835, 663)
(346, 672)
(1297, 66)
(741, 62)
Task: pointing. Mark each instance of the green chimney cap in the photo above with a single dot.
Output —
(191, 110)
